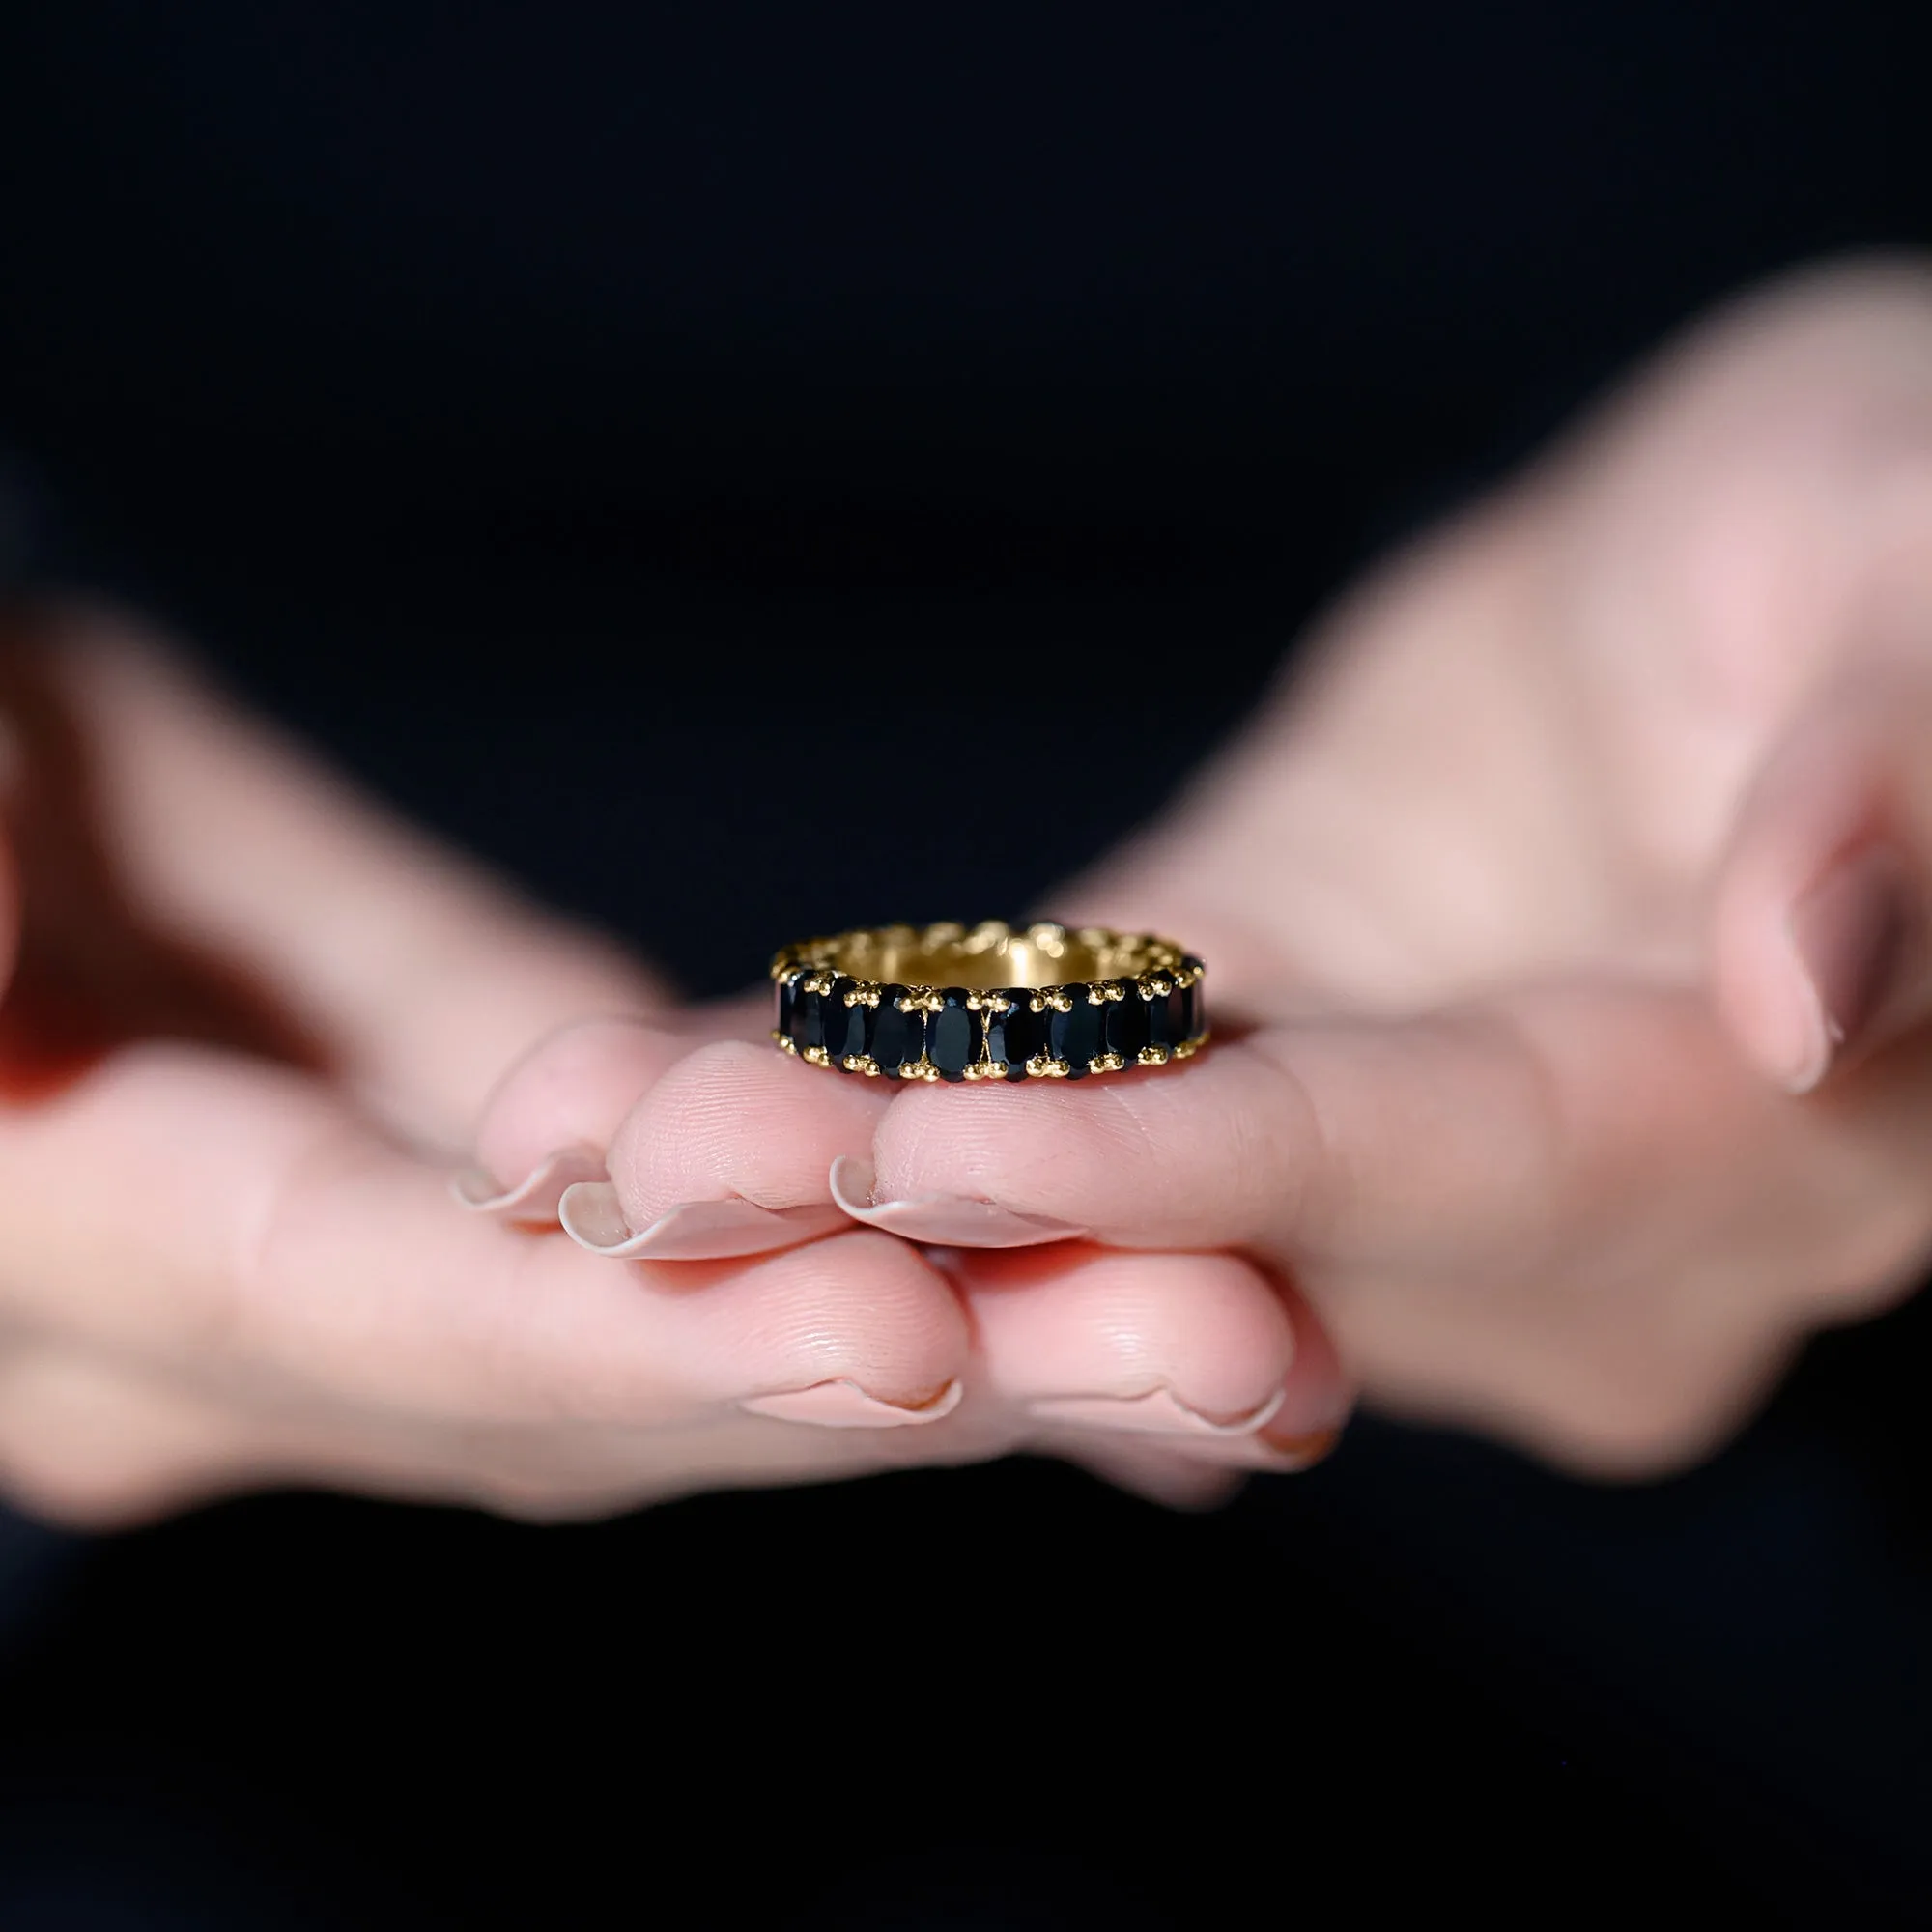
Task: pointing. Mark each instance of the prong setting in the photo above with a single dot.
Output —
(859, 1004)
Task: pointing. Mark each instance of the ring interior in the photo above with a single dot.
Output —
(1016, 961)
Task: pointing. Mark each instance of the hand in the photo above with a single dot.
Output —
(1566, 922)
(252, 1019)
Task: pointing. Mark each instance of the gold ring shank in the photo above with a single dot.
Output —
(988, 1002)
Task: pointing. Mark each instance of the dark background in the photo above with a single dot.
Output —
(615, 432)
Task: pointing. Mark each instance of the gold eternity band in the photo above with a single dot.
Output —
(988, 1002)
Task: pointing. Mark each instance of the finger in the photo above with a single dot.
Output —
(1821, 945)
(551, 1119)
(1202, 1351)
(235, 1223)
(1494, 1129)
(729, 1153)
(422, 973)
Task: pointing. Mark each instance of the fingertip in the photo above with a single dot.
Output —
(738, 1120)
(569, 1094)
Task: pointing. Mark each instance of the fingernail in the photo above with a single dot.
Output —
(534, 1199)
(843, 1405)
(1300, 1451)
(1272, 1450)
(949, 1220)
(1159, 1412)
(1850, 934)
(692, 1231)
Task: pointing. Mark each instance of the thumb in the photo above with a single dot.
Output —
(1819, 933)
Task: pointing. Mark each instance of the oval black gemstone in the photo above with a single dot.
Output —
(1126, 1025)
(806, 1024)
(1196, 1012)
(896, 1038)
(953, 1035)
(1166, 1018)
(1076, 1037)
(1015, 1036)
(844, 1026)
(785, 986)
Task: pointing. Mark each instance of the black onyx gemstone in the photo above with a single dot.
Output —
(1197, 1009)
(1126, 1025)
(953, 1035)
(1016, 1035)
(1076, 1037)
(844, 1026)
(1166, 1018)
(784, 988)
(806, 1024)
(897, 1038)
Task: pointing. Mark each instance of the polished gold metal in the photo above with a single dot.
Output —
(991, 956)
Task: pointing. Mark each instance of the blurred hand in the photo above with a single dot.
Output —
(1566, 922)
(251, 1025)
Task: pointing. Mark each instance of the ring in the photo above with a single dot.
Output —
(992, 1002)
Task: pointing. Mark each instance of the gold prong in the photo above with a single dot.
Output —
(816, 1055)
(1186, 1049)
(783, 1041)
(1105, 1063)
(1152, 1056)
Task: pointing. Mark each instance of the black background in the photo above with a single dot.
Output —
(615, 431)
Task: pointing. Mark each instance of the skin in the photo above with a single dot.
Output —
(1565, 914)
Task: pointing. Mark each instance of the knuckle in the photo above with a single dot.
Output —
(865, 1306)
(1629, 1443)
(1656, 1418)
(90, 1487)
(522, 1496)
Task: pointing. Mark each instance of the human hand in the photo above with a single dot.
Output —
(1566, 922)
(252, 1019)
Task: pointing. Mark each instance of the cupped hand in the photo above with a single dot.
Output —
(1565, 914)
(251, 1025)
